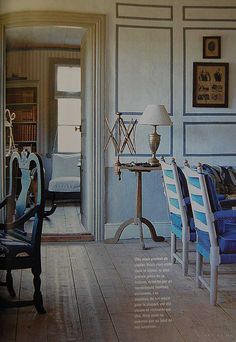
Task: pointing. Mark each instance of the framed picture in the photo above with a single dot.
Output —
(210, 84)
(211, 47)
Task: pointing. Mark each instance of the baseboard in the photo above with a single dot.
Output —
(132, 232)
(80, 237)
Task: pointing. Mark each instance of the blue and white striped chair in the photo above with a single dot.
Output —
(216, 233)
(182, 225)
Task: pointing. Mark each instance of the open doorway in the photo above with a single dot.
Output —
(43, 88)
(92, 106)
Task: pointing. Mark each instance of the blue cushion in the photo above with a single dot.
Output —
(228, 258)
(177, 226)
(203, 240)
(183, 182)
(227, 242)
(215, 204)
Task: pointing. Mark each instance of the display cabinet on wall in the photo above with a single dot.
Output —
(22, 99)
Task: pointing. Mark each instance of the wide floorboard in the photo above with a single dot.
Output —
(65, 220)
(98, 292)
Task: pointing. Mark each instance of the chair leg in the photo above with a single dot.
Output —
(9, 284)
(213, 284)
(185, 257)
(173, 247)
(199, 268)
(38, 298)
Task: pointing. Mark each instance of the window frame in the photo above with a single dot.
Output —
(52, 107)
(65, 94)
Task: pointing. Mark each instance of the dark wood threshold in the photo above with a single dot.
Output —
(82, 237)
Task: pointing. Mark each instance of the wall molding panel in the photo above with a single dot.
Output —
(159, 71)
(209, 13)
(143, 11)
(207, 137)
(133, 68)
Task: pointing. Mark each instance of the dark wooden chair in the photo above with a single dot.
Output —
(20, 235)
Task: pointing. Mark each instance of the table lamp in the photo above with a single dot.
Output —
(155, 115)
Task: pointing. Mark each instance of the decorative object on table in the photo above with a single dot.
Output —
(10, 117)
(122, 135)
(155, 115)
(210, 84)
(212, 47)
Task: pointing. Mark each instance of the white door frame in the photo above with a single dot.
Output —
(95, 24)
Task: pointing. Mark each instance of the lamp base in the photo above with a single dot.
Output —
(154, 142)
(153, 161)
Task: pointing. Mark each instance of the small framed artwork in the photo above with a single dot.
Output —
(210, 84)
(212, 47)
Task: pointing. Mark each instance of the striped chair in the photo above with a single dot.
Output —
(216, 233)
(182, 226)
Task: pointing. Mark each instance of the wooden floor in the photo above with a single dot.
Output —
(91, 293)
(65, 220)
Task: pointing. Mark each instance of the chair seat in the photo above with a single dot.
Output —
(15, 247)
(227, 241)
(64, 184)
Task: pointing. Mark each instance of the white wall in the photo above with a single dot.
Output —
(149, 56)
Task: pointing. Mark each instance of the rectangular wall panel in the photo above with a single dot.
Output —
(209, 138)
(209, 13)
(139, 11)
(143, 68)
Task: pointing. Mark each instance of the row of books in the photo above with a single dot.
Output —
(26, 114)
(25, 132)
(21, 95)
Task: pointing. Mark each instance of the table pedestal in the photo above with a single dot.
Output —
(138, 219)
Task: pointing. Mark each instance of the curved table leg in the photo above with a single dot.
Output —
(152, 230)
(50, 211)
(119, 231)
(130, 221)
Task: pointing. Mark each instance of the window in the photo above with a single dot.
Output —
(68, 96)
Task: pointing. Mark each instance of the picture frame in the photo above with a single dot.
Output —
(210, 84)
(212, 47)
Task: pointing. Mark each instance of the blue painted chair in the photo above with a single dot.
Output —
(19, 248)
(182, 225)
(216, 233)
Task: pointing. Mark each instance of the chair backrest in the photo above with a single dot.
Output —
(27, 168)
(174, 190)
(200, 202)
(65, 165)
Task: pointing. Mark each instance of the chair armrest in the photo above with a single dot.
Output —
(221, 197)
(228, 203)
(4, 201)
(225, 215)
(19, 222)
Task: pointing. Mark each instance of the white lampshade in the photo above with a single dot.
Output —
(155, 115)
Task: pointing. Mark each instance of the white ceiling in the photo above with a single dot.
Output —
(26, 37)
